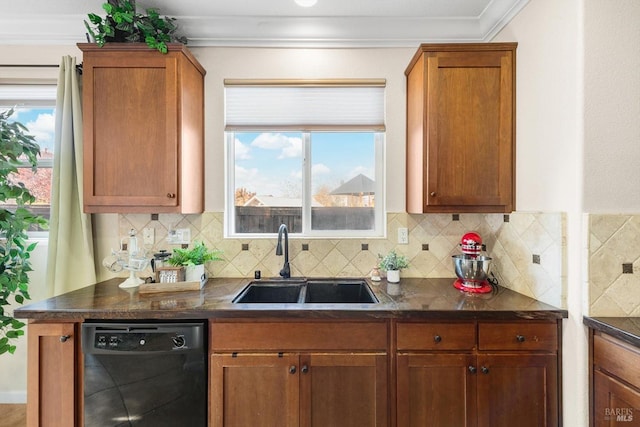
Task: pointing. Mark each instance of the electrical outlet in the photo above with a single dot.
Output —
(179, 236)
(148, 235)
(403, 236)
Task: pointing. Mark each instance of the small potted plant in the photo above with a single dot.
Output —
(392, 263)
(193, 259)
(124, 24)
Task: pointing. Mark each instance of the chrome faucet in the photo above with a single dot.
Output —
(286, 271)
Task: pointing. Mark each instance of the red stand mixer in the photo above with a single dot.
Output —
(472, 268)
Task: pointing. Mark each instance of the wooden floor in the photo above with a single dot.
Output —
(13, 415)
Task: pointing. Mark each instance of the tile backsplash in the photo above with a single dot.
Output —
(528, 249)
(614, 265)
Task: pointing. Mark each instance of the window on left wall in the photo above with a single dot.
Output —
(34, 107)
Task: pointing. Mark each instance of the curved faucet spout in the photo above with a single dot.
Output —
(286, 270)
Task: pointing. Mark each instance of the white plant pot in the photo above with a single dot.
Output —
(393, 276)
(194, 273)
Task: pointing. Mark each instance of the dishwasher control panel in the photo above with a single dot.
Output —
(107, 338)
(138, 341)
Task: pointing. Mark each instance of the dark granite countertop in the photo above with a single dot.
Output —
(624, 328)
(419, 298)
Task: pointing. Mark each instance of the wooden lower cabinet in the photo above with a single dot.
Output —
(435, 390)
(445, 379)
(614, 382)
(53, 398)
(343, 390)
(254, 390)
(517, 390)
(315, 381)
(615, 403)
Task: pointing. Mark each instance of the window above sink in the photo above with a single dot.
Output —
(308, 155)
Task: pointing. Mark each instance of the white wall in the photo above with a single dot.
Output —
(612, 106)
(549, 158)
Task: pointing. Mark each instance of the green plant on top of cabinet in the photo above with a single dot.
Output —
(143, 115)
(124, 24)
(461, 128)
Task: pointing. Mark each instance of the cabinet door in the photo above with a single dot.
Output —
(470, 134)
(343, 390)
(436, 390)
(131, 138)
(254, 390)
(517, 390)
(615, 404)
(52, 391)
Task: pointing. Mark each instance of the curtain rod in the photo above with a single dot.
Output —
(78, 66)
(29, 66)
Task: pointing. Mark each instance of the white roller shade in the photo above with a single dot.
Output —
(304, 106)
(27, 95)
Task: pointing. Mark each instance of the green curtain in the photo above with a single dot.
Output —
(70, 262)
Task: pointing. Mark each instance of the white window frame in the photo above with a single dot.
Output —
(36, 95)
(379, 230)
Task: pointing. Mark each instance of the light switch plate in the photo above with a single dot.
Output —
(148, 235)
(179, 236)
(403, 236)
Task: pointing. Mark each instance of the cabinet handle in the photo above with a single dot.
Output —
(472, 369)
(64, 338)
(304, 369)
(432, 194)
(292, 369)
(171, 195)
(520, 338)
(484, 370)
(437, 338)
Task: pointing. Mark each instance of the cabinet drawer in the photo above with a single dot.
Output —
(436, 336)
(298, 336)
(517, 336)
(617, 357)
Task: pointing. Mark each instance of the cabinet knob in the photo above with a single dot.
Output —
(472, 369)
(437, 338)
(432, 194)
(171, 195)
(484, 370)
(304, 369)
(64, 338)
(292, 369)
(520, 338)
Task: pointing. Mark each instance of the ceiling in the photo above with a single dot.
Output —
(330, 23)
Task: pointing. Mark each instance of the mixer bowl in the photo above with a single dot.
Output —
(472, 270)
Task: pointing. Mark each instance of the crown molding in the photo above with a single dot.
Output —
(285, 31)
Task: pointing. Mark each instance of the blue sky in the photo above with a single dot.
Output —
(271, 163)
(40, 123)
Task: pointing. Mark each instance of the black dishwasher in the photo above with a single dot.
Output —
(145, 374)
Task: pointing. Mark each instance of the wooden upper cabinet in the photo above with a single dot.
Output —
(461, 128)
(143, 114)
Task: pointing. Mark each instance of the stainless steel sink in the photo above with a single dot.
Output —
(308, 291)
